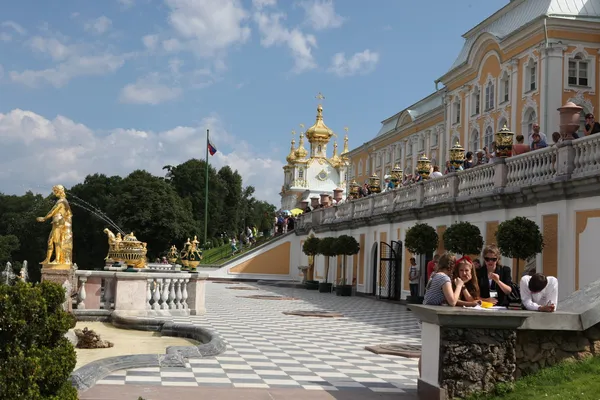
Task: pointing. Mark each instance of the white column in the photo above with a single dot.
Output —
(466, 111)
(404, 154)
(445, 138)
(415, 153)
(551, 92)
(514, 93)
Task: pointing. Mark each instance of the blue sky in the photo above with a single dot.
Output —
(114, 85)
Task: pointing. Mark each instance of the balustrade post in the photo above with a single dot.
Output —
(420, 194)
(317, 216)
(81, 295)
(565, 160)
(351, 212)
(500, 173)
(196, 287)
(453, 182)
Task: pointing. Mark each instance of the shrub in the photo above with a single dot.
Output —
(421, 239)
(519, 238)
(345, 245)
(35, 357)
(463, 238)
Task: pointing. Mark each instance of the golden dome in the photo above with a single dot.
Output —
(319, 132)
(292, 156)
(301, 152)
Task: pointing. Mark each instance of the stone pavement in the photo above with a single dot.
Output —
(267, 349)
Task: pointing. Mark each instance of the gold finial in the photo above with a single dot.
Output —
(346, 129)
(293, 132)
(320, 96)
(302, 127)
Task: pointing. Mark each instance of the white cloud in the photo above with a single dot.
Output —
(99, 25)
(260, 4)
(14, 26)
(150, 41)
(127, 3)
(320, 14)
(64, 152)
(359, 64)
(149, 90)
(73, 67)
(209, 27)
(51, 46)
(300, 44)
(5, 37)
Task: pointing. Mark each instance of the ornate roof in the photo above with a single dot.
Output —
(292, 156)
(301, 152)
(319, 132)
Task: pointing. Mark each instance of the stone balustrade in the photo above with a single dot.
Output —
(567, 161)
(145, 293)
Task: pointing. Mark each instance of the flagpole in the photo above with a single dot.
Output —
(206, 194)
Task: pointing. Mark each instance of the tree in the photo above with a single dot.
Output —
(8, 245)
(346, 245)
(463, 238)
(35, 357)
(310, 247)
(326, 248)
(519, 238)
(421, 239)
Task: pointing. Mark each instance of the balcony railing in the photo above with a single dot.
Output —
(567, 160)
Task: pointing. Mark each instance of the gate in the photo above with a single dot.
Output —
(389, 276)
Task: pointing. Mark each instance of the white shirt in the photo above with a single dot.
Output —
(533, 301)
(542, 137)
(436, 174)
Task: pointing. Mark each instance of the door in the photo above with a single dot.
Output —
(387, 273)
(374, 269)
(397, 246)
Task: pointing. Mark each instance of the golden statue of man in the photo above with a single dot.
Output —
(60, 241)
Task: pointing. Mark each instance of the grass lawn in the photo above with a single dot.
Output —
(577, 381)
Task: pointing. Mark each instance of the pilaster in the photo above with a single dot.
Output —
(514, 93)
(551, 93)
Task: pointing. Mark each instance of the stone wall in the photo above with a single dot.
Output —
(541, 349)
(475, 360)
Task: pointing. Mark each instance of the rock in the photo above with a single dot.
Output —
(88, 339)
(71, 337)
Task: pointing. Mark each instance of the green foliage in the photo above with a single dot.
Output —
(421, 239)
(35, 357)
(463, 238)
(346, 245)
(327, 247)
(311, 246)
(519, 238)
(8, 245)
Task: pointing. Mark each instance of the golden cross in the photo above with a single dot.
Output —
(301, 126)
(293, 132)
(320, 96)
(346, 129)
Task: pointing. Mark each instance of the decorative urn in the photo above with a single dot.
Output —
(424, 166)
(504, 142)
(375, 183)
(396, 175)
(173, 255)
(457, 156)
(354, 188)
(569, 120)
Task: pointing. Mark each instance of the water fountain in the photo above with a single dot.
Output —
(24, 274)
(8, 275)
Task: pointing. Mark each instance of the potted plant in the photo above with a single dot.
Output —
(421, 239)
(519, 238)
(345, 245)
(326, 248)
(311, 249)
(463, 238)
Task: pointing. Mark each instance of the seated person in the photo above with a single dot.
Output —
(539, 293)
(439, 289)
(469, 296)
(494, 280)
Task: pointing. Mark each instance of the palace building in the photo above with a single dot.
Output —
(516, 68)
(310, 173)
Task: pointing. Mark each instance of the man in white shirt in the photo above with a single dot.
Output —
(539, 293)
(536, 129)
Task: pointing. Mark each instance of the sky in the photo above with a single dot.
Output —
(111, 86)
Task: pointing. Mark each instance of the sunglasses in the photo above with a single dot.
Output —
(490, 259)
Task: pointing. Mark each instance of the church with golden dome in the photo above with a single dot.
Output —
(310, 173)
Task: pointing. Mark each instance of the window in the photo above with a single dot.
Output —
(489, 96)
(360, 168)
(504, 88)
(489, 138)
(578, 71)
(502, 123)
(410, 148)
(434, 139)
(388, 155)
(528, 121)
(474, 145)
(421, 144)
(531, 76)
(476, 101)
(300, 173)
(456, 111)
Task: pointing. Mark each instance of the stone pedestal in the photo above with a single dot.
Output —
(196, 293)
(64, 275)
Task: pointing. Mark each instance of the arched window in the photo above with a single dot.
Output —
(502, 122)
(578, 71)
(528, 121)
(474, 142)
(455, 139)
(489, 138)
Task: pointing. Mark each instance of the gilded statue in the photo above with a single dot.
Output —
(126, 249)
(60, 241)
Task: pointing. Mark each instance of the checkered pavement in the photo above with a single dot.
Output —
(268, 349)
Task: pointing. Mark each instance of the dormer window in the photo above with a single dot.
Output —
(578, 71)
(489, 96)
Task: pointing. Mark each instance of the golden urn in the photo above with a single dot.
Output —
(504, 142)
(457, 156)
(397, 175)
(354, 188)
(127, 250)
(173, 255)
(424, 166)
(374, 184)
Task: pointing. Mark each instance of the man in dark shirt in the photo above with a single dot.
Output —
(591, 126)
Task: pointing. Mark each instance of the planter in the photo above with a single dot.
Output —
(312, 285)
(343, 290)
(325, 287)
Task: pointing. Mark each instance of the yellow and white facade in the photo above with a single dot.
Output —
(517, 68)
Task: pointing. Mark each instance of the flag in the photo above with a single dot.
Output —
(211, 148)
